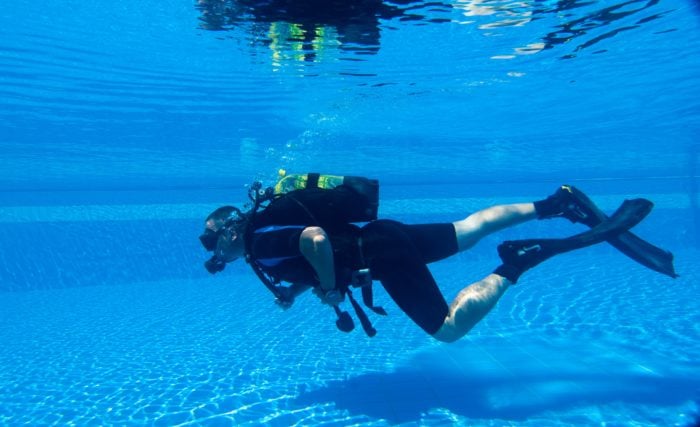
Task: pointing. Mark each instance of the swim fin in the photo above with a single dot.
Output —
(580, 208)
(519, 256)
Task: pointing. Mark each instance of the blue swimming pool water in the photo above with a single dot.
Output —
(122, 125)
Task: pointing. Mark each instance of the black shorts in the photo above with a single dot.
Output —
(397, 255)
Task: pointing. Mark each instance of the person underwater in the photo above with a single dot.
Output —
(303, 234)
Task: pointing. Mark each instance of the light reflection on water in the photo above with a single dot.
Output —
(307, 31)
(399, 87)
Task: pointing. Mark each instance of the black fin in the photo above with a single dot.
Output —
(521, 255)
(650, 256)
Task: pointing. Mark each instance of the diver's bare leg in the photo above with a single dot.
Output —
(476, 300)
(471, 305)
(479, 224)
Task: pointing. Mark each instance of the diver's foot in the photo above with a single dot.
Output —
(567, 202)
(518, 257)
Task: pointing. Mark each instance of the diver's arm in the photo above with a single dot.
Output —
(316, 248)
(290, 293)
(298, 289)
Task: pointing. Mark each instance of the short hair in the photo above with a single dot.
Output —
(231, 216)
(222, 214)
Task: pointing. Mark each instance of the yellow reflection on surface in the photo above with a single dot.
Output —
(297, 42)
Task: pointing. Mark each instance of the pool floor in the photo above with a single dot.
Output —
(597, 346)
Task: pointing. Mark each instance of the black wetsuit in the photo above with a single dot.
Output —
(397, 255)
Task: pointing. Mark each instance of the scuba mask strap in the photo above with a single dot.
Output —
(236, 217)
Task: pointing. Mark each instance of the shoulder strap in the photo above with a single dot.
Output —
(312, 180)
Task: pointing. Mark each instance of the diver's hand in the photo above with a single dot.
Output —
(331, 297)
(287, 299)
(284, 304)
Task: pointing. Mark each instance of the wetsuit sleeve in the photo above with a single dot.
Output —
(276, 252)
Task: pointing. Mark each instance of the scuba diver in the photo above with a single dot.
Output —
(321, 232)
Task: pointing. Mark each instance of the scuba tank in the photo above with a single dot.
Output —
(352, 198)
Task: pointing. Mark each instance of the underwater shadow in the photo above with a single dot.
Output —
(405, 395)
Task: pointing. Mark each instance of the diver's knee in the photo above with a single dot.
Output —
(468, 233)
(447, 333)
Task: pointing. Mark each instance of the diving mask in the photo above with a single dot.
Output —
(217, 241)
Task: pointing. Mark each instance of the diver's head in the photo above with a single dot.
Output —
(223, 235)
